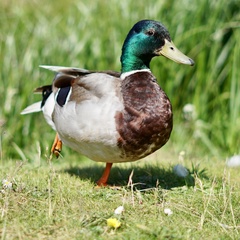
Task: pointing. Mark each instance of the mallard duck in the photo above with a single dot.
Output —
(109, 116)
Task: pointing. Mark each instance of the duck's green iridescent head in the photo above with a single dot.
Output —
(146, 40)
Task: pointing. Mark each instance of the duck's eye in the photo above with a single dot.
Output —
(150, 32)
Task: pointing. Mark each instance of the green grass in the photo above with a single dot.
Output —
(57, 200)
(78, 34)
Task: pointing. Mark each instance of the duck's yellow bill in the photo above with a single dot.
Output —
(170, 51)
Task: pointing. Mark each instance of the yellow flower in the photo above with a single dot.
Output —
(113, 222)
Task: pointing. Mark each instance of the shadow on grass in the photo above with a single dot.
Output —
(143, 177)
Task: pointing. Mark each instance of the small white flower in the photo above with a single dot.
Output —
(181, 156)
(234, 161)
(168, 211)
(189, 112)
(180, 171)
(119, 210)
(6, 184)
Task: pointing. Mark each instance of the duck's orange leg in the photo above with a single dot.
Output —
(104, 178)
(57, 146)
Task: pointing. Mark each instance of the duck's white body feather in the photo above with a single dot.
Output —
(88, 126)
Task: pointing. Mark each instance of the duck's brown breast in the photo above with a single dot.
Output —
(145, 124)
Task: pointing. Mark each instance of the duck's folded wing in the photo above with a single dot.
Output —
(72, 71)
(87, 87)
(66, 70)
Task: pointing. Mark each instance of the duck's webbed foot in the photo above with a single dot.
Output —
(57, 146)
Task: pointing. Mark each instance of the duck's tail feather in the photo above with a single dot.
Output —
(35, 107)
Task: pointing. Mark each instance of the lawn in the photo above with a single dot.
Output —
(48, 198)
(58, 199)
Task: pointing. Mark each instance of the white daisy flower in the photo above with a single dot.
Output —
(6, 184)
(119, 210)
(168, 211)
(189, 112)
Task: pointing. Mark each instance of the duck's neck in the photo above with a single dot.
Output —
(131, 62)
